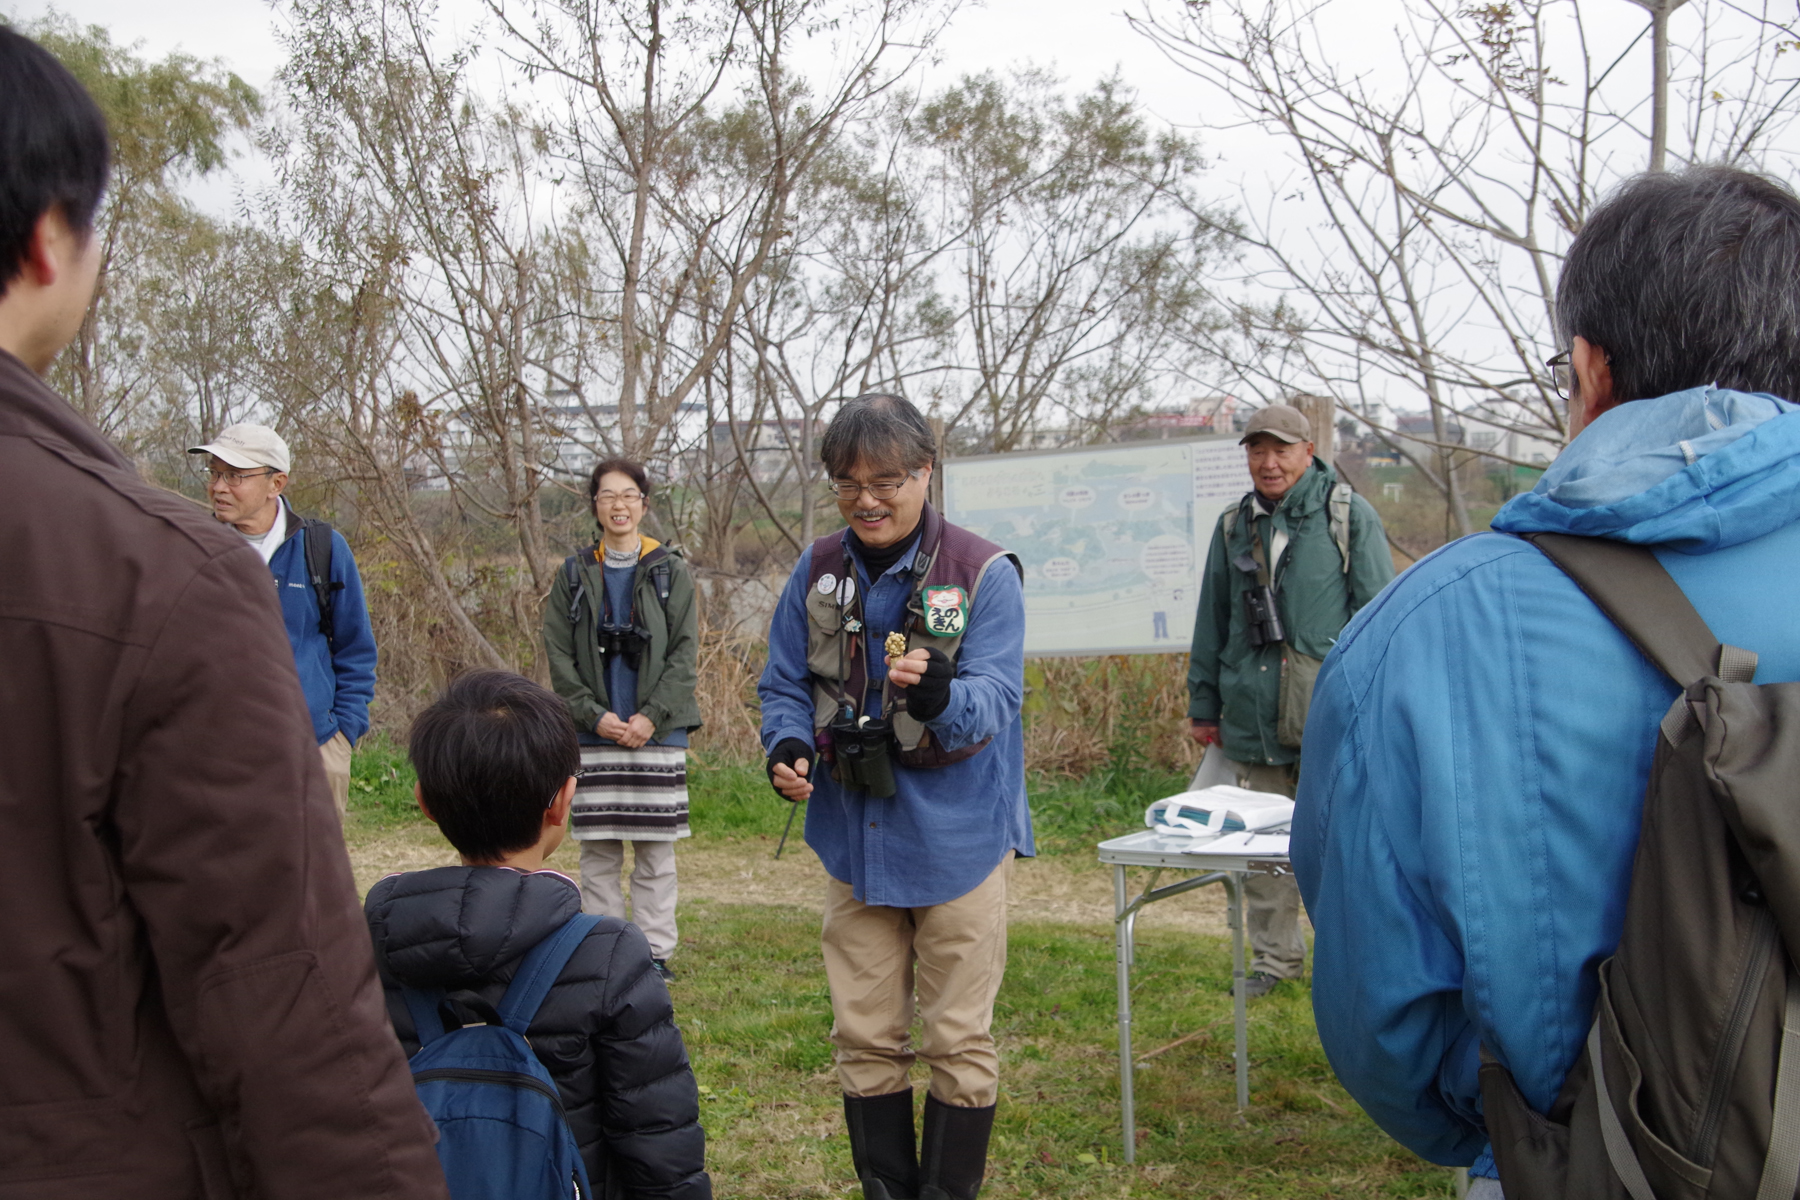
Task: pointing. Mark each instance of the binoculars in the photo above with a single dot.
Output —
(628, 640)
(1264, 616)
(862, 754)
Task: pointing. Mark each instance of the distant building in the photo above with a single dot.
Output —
(1201, 415)
(770, 448)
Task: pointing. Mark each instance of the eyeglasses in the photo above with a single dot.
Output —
(629, 496)
(1562, 374)
(235, 478)
(887, 489)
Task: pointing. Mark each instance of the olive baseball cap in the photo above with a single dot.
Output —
(1279, 420)
(247, 446)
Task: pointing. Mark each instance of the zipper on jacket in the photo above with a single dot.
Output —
(503, 1078)
(1731, 1038)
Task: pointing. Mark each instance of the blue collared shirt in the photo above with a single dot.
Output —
(945, 829)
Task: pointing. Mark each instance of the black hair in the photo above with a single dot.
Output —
(54, 152)
(624, 466)
(879, 430)
(491, 753)
(1687, 279)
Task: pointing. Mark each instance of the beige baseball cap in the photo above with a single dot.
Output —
(247, 446)
(1279, 420)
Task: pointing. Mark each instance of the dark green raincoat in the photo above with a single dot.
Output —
(1239, 685)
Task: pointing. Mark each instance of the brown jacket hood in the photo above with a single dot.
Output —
(188, 1005)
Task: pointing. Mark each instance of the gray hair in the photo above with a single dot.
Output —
(881, 431)
(1689, 278)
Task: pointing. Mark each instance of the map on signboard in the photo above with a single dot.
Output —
(1108, 536)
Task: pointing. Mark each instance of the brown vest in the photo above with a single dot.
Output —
(947, 571)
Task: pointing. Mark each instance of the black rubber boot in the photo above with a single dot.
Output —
(881, 1145)
(954, 1157)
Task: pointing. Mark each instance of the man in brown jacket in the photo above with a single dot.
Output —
(188, 1005)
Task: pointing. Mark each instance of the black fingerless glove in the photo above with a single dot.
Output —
(787, 752)
(926, 699)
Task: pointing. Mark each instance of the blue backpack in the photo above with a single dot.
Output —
(502, 1134)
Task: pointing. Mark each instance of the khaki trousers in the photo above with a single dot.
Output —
(653, 889)
(335, 750)
(1272, 902)
(950, 957)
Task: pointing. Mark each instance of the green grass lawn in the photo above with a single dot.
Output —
(752, 1003)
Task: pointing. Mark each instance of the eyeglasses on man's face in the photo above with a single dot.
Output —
(234, 479)
(628, 496)
(884, 489)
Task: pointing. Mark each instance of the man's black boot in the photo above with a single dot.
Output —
(954, 1156)
(881, 1145)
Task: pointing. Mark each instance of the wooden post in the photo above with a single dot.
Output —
(1321, 414)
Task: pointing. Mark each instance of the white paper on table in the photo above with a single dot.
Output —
(1273, 845)
(1205, 813)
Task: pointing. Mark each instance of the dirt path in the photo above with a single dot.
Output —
(1064, 889)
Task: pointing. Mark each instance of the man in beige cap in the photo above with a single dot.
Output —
(317, 581)
(1289, 566)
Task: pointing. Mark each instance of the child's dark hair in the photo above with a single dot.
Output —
(492, 752)
(624, 466)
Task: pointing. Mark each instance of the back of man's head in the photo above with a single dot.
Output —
(53, 148)
(1689, 278)
(492, 753)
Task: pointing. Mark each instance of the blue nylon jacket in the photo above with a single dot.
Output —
(338, 688)
(1478, 748)
(945, 829)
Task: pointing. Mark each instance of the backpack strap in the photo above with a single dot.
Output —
(572, 572)
(315, 536)
(538, 972)
(1337, 510)
(1640, 597)
(428, 1019)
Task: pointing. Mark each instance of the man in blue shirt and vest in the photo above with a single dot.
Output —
(913, 759)
(1482, 735)
(316, 579)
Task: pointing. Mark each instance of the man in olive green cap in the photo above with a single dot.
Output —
(1289, 566)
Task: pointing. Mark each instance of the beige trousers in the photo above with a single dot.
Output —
(653, 889)
(948, 957)
(336, 752)
(1272, 902)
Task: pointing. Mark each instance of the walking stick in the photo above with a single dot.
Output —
(792, 809)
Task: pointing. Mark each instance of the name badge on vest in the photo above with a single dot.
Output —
(946, 611)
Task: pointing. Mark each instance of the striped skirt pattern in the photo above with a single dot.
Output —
(632, 795)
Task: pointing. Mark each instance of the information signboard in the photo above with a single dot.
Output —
(1113, 538)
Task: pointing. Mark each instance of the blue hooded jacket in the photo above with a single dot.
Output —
(1478, 748)
(338, 686)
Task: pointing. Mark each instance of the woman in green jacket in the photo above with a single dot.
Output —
(621, 634)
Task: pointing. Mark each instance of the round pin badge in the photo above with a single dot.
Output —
(827, 582)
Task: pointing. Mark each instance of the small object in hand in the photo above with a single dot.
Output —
(896, 645)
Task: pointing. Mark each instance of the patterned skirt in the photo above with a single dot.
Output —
(632, 795)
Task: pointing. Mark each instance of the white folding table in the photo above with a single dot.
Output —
(1160, 853)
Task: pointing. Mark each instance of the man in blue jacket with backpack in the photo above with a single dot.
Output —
(316, 579)
(1481, 737)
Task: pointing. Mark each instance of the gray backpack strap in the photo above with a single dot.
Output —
(1781, 1169)
(1612, 1130)
(1638, 596)
(1338, 517)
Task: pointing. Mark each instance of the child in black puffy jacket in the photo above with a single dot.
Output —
(489, 754)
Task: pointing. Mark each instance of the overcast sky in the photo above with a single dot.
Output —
(1084, 38)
